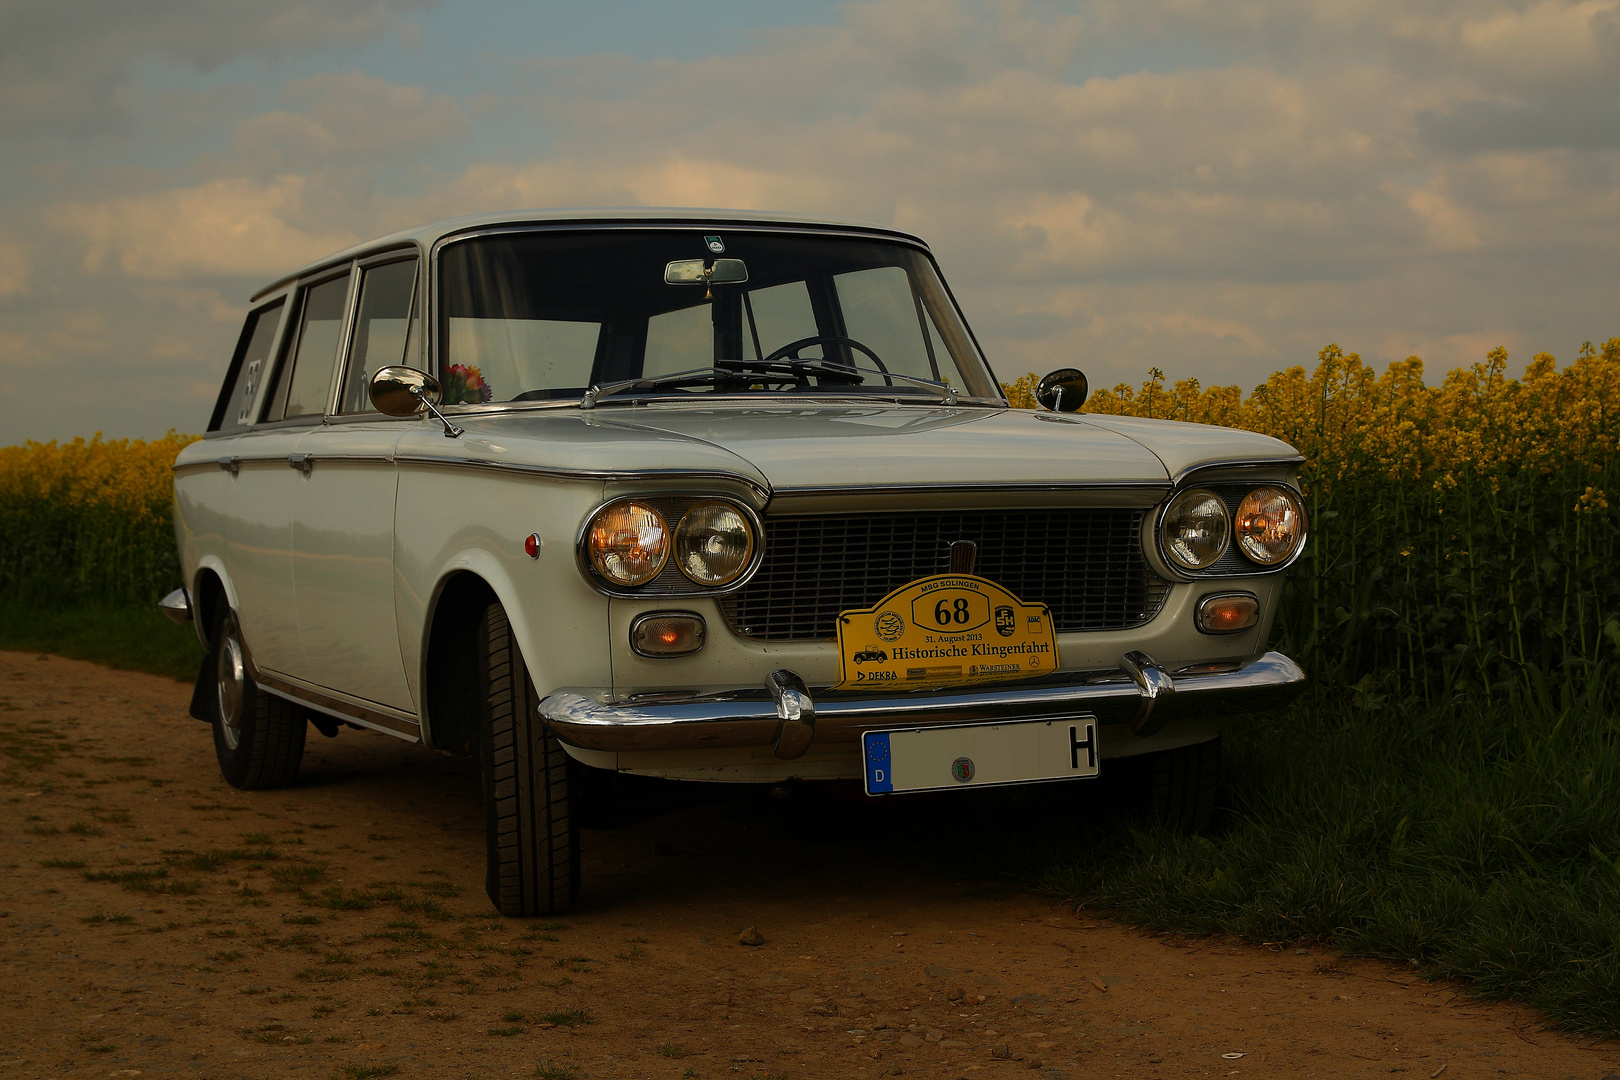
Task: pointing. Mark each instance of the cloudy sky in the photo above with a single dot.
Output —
(1218, 189)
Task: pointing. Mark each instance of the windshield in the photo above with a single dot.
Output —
(538, 315)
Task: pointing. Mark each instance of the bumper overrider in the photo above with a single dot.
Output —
(785, 716)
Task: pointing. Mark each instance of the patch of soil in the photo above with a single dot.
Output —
(154, 919)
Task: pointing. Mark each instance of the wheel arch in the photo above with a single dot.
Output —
(210, 587)
(449, 669)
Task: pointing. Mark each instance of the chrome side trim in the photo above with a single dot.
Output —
(1237, 463)
(594, 475)
(177, 606)
(590, 719)
(370, 715)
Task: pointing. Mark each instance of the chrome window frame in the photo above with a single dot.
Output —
(358, 267)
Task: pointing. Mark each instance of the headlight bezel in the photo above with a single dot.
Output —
(680, 532)
(1231, 487)
(1161, 537)
(590, 527)
(670, 580)
(1296, 504)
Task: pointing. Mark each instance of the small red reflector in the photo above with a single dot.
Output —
(531, 545)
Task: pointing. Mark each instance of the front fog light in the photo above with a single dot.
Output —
(1227, 613)
(1195, 529)
(667, 633)
(713, 543)
(628, 542)
(1268, 525)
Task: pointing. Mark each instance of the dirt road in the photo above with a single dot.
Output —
(154, 920)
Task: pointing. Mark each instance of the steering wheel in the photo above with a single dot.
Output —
(791, 351)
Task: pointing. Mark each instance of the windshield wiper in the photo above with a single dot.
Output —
(737, 371)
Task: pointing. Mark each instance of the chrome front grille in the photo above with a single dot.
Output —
(1086, 564)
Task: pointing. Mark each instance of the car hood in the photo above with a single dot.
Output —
(819, 447)
(908, 446)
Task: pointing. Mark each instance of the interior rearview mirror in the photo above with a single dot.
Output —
(693, 272)
(1063, 390)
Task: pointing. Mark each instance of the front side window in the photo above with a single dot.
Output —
(306, 379)
(384, 329)
(531, 316)
(240, 398)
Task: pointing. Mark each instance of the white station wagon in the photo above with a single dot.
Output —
(709, 496)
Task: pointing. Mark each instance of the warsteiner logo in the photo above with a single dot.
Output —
(1006, 621)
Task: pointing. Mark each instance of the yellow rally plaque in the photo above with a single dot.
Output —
(937, 631)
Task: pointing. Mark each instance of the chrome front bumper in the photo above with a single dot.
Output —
(785, 716)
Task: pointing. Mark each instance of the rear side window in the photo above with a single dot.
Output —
(306, 378)
(239, 398)
(384, 329)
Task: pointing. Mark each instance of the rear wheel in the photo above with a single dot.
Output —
(258, 737)
(530, 819)
(1182, 783)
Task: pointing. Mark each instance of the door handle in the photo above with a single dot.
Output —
(232, 465)
(304, 463)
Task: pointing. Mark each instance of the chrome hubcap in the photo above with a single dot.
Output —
(231, 680)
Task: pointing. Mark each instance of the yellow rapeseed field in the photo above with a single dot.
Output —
(1461, 533)
(89, 521)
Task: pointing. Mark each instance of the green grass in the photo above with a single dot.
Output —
(134, 639)
(1483, 843)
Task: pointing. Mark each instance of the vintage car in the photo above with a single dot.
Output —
(707, 496)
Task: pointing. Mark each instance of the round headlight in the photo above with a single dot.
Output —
(1195, 530)
(713, 543)
(628, 542)
(1268, 525)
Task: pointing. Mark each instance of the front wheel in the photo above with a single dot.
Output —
(1182, 783)
(258, 737)
(529, 812)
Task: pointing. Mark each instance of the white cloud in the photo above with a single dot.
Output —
(14, 269)
(1217, 189)
(349, 116)
(62, 62)
(223, 227)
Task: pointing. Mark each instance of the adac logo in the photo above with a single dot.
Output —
(1006, 621)
(716, 245)
(962, 770)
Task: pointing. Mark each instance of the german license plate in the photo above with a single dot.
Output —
(951, 629)
(979, 755)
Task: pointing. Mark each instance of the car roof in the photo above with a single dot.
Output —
(425, 236)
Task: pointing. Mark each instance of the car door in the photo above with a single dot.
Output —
(343, 534)
(260, 541)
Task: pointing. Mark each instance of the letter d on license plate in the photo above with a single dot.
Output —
(980, 755)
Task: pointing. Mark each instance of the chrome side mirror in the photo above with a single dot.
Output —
(403, 391)
(1063, 390)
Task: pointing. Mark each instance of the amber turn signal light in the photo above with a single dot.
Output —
(667, 633)
(1227, 613)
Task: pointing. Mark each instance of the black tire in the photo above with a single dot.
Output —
(1182, 783)
(532, 830)
(258, 737)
